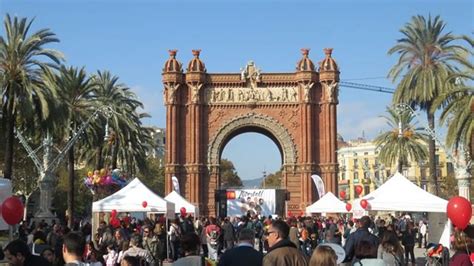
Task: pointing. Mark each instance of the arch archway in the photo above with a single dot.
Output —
(205, 111)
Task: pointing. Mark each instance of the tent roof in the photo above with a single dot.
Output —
(400, 194)
(327, 203)
(130, 199)
(180, 202)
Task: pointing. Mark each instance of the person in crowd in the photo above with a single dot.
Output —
(130, 261)
(390, 250)
(362, 233)
(408, 242)
(39, 243)
(422, 231)
(381, 228)
(366, 254)
(347, 232)
(463, 246)
(190, 245)
(125, 247)
(244, 253)
(18, 254)
(94, 259)
(54, 238)
(228, 234)
(119, 237)
(174, 234)
(151, 243)
(136, 251)
(323, 256)
(48, 254)
(111, 257)
(203, 236)
(281, 250)
(213, 232)
(73, 249)
(293, 234)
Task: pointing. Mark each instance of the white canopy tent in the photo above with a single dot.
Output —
(180, 202)
(327, 204)
(130, 199)
(400, 194)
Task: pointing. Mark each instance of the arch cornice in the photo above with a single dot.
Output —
(251, 119)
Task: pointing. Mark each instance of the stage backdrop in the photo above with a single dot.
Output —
(257, 201)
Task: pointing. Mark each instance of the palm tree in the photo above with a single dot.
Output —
(77, 105)
(458, 109)
(403, 143)
(427, 57)
(21, 67)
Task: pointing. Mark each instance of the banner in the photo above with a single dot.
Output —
(255, 201)
(175, 181)
(318, 182)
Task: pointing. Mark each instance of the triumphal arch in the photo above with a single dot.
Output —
(204, 111)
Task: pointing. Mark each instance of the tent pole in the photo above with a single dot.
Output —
(167, 241)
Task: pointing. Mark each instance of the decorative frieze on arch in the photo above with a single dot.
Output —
(278, 131)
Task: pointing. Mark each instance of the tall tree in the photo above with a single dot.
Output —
(229, 176)
(22, 62)
(427, 56)
(77, 105)
(403, 142)
(272, 180)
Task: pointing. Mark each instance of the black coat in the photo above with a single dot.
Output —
(354, 239)
(241, 256)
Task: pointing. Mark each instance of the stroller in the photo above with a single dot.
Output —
(437, 255)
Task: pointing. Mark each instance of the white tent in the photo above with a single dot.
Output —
(400, 194)
(180, 202)
(327, 204)
(130, 199)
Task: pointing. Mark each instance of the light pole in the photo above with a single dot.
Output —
(462, 162)
(48, 165)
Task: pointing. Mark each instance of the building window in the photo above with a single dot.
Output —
(343, 175)
(366, 162)
(405, 173)
(437, 159)
(377, 175)
(356, 163)
(356, 177)
(366, 175)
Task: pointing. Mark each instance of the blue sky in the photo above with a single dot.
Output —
(131, 39)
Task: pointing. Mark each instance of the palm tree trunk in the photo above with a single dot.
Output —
(115, 146)
(9, 139)
(400, 165)
(99, 160)
(70, 192)
(433, 187)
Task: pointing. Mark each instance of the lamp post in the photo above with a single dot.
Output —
(461, 160)
(48, 164)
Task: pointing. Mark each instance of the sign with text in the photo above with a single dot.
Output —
(255, 201)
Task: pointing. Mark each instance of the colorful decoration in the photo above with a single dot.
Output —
(348, 207)
(103, 178)
(359, 189)
(342, 194)
(113, 213)
(144, 204)
(289, 214)
(459, 211)
(12, 210)
(364, 204)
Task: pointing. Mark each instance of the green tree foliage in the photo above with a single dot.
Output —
(154, 176)
(273, 180)
(229, 176)
(427, 57)
(22, 62)
(403, 142)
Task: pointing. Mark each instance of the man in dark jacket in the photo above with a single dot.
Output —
(243, 253)
(228, 234)
(18, 254)
(362, 233)
(282, 251)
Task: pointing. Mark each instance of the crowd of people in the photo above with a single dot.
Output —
(247, 240)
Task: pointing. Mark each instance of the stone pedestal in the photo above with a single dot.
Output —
(464, 186)
(46, 187)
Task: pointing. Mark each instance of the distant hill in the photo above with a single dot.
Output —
(252, 183)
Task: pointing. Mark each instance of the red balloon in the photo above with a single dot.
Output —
(144, 204)
(289, 214)
(342, 194)
(182, 211)
(12, 210)
(114, 222)
(348, 207)
(302, 213)
(113, 213)
(459, 211)
(358, 189)
(364, 203)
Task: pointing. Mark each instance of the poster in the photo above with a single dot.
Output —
(255, 201)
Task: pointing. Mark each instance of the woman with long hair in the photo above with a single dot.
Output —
(390, 250)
